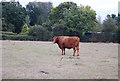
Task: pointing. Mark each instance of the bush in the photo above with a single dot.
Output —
(18, 37)
(59, 30)
(25, 28)
(40, 32)
(9, 33)
(7, 27)
(14, 36)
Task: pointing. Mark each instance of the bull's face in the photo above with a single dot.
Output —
(55, 39)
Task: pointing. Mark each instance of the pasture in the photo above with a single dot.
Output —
(43, 60)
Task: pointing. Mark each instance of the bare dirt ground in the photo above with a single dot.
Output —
(43, 60)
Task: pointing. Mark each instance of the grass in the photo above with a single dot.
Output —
(79, 64)
(31, 57)
(104, 61)
(114, 57)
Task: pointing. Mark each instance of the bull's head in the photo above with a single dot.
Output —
(55, 39)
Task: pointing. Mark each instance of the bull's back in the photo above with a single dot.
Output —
(73, 41)
(69, 42)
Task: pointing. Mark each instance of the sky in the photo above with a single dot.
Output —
(102, 7)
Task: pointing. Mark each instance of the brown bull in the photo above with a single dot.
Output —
(67, 42)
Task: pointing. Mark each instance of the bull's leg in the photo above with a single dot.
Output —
(74, 51)
(64, 51)
(77, 51)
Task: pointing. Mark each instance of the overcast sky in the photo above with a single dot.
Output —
(102, 7)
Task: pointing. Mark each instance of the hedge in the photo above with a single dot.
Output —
(9, 33)
(14, 36)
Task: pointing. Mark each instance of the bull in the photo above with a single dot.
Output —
(67, 42)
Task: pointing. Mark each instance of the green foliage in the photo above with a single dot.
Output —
(6, 26)
(98, 28)
(47, 25)
(18, 37)
(14, 36)
(0, 24)
(40, 32)
(76, 19)
(58, 13)
(25, 28)
(13, 15)
(8, 33)
(38, 12)
(118, 30)
(65, 19)
(109, 25)
(109, 28)
(118, 19)
(118, 33)
(59, 30)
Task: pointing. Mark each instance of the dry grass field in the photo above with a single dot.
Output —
(43, 60)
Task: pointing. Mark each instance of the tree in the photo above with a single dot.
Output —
(118, 34)
(38, 12)
(113, 16)
(25, 28)
(118, 19)
(77, 19)
(13, 14)
(98, 27)
(47, 25)
(0, 24)
(118, 30)
(59, 30)
(6, 26)
(27, 20)
(59, 12)
(39, 32)
(109, 28)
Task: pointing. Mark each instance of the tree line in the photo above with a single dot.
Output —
(42, 21)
